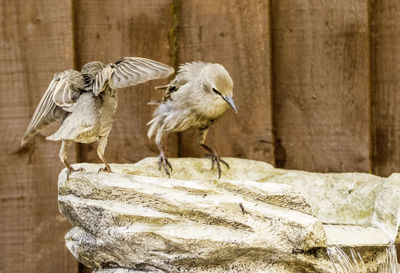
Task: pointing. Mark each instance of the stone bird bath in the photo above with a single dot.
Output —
(256, 218)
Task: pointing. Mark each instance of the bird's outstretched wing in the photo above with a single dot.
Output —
(129, 71)
(60, 96)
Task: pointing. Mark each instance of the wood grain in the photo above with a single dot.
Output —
(35, 42)
(236, 35)
(316, 85)
(385, 79)
(321, 84)
(107, 31)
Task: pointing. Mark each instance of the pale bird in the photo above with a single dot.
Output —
(86, 102)
(198, 96)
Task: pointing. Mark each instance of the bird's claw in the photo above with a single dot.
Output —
(71, 170)
(165, 163)
(106, 169)
(216, 159)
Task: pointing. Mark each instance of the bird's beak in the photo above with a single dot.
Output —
(230, 101)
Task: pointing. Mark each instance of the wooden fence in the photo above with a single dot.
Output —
(316, 85)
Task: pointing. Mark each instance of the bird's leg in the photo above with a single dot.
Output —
(163, 160)
(100, 152)
(212, 154)
(214, 159)
(63, 156)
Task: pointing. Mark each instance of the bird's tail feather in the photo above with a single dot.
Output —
(156, 128)
(161, 87)
(154, 124)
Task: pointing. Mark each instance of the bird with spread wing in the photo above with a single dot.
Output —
(86, 102)
(200, 94)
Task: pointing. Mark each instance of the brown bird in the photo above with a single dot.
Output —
(86, 102)
(198, 96)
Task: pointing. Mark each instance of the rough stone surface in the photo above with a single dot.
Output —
(387, 208)
(254, 219)
(346, 198)
(118, 270)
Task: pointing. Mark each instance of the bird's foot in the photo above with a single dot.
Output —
(165, 163)
(106, 169)
(72, 170)
(216, 160)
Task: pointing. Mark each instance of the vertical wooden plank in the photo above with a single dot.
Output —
(35, 42)
(321, 84)
(236, 35)
(107, 31)
(385, 72)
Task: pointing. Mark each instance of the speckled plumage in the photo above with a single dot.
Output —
(198, 96)
(86, 101)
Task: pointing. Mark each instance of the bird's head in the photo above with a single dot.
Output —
(92, 68)
(219, 83)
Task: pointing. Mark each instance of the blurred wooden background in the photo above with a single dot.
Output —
(316, 85)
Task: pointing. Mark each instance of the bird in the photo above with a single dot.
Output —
(86, 102)
(197, 97)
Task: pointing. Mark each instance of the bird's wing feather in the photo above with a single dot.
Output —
(67, 89)
(60, 96)
(186, 72)
(191, 70)
(129, 71)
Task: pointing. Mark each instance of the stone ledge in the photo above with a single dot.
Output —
(255, 217)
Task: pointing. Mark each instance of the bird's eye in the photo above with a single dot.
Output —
(216, 91)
